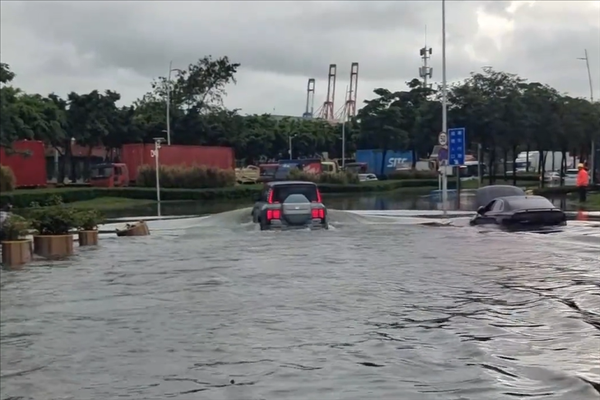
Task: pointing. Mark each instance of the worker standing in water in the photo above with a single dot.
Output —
(583, 180)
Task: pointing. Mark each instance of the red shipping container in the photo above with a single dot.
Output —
(29, 169)
(138, 154)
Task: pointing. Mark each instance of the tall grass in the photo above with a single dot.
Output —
(339, 178)
(183, 177)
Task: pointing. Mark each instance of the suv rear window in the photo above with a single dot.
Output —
(268, 170)
(281, 192)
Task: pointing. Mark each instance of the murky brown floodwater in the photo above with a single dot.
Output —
(378, 307)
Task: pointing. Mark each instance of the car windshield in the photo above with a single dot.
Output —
(281, 192)
(527, 203)
(101, 172)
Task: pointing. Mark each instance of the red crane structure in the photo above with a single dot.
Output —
(328, 110)
(352, 92)
(310, 99)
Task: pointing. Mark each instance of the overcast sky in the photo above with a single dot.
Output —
(85, 45)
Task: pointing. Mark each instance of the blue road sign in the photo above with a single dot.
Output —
(456, 146)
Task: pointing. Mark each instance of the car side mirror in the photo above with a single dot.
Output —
(481, 210)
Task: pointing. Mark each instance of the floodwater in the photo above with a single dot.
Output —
(381, 306)
(378, 201)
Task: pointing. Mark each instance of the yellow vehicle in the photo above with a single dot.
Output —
(330, 166)
(247, 175)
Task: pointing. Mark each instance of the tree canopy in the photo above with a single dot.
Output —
(502, 112)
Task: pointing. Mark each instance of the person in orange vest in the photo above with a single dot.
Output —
(583, 180)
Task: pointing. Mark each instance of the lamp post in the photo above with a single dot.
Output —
(344, 117)
(444, 107)
(593, 148)
(154, 153)
(290, 137)
(171, 69)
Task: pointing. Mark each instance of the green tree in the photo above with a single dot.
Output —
(381, 123)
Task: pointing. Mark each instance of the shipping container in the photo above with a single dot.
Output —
(393, 160)
(136, 155)
(27, 162)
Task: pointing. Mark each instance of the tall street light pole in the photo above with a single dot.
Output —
(444, 108)
(171, 69)
(344, 117)
(290, 137)
(593, 148)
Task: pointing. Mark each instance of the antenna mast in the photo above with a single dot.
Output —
(425, 71)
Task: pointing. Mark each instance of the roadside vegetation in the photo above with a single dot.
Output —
(501, 111)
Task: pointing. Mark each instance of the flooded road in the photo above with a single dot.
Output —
(378, 307)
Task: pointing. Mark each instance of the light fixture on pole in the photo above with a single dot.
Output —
(290, 137)
(171, 69)
(593, 148)
(444, 107)
(155, 153)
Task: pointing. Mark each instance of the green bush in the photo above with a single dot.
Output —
(339, 178)
(7, 179)
(88, 220)
(15, 227)
(57, 219)
(195, 177)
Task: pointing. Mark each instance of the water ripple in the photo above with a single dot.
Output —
(217, 310)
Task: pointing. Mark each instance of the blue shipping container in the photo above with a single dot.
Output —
(393, 160)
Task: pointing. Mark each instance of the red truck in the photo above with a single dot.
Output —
(136, 155)
(27, 161)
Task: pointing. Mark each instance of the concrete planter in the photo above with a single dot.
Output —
(53, 246)
(88, 238)
(16, 252)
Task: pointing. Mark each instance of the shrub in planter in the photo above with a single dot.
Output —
(88, 221)
(53, 225)
(194, 177)
(7, 179)
(16, 250)
(15, 227)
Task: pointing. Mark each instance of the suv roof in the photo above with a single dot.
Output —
(279, 183)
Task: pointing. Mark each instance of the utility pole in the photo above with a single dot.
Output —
(593, 147)
(444, 108)
(344, 117)
(168, 88)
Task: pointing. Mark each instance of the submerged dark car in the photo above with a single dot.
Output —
(509, 207)
(290, 204)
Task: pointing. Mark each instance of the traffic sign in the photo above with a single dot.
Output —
(442, 139)
(456, 147)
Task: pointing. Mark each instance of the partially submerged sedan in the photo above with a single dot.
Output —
(290, 204)
(510, 208)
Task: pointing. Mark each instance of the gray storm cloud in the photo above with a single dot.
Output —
(62, 46)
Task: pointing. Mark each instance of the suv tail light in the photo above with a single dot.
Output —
(273, 214)
(319, 196)
(318, 213)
